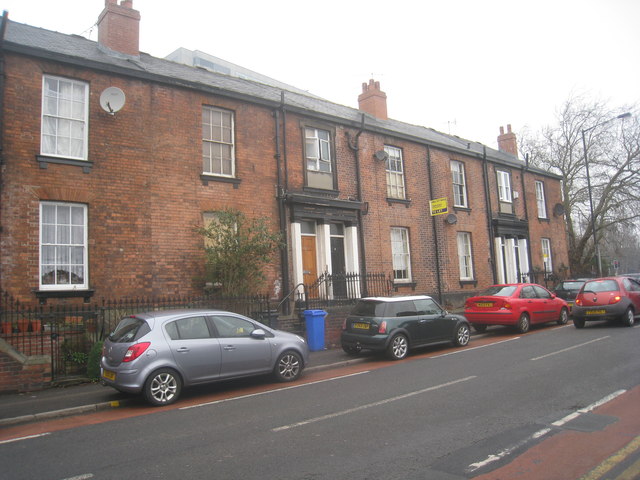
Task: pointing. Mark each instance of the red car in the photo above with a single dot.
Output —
(518, 304)
(608, 298)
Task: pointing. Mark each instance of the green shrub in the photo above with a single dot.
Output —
(93, 361)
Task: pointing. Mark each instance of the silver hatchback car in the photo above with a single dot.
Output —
(158, 353)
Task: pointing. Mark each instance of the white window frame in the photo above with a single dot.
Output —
(218, 147)
(504, 186)
(458, 178)
(63, 243)
(318, 149)
(64, 129)
(547, 260)
(540, 200)
(465, 256)
(394, 166)
(401, 254)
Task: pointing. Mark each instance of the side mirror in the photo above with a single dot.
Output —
(259, 334)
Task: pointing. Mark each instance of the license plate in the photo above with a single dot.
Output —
(109, 375)
(596, 312)
(361, 326)
(484, 304)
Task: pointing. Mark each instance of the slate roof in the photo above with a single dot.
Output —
(77, 50)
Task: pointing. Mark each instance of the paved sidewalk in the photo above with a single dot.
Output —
(90, 397)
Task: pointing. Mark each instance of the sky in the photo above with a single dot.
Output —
(464, 67)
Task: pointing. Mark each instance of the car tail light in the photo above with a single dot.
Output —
(135, 351)
(507, 305)
(615, 299)
(383, 327)
(578, 301)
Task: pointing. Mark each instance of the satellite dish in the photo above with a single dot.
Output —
(451, 219)
(112, 100)
(558, 209)
(381, 155)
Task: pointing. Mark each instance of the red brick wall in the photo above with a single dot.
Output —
(144, 193)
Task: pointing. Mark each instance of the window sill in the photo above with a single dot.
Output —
(461, 209)
(43, 295)
(474, 283)
(391, 201)
(214, 178)
(320, 191)
(397, 285)
(544, 219)
(44, 162)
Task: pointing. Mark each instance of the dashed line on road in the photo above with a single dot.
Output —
(28, 437)
(570, 348)
(463, 350)
(370, 405)
(271, 391)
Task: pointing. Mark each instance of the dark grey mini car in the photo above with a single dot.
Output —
(397, 324)
(157, 353)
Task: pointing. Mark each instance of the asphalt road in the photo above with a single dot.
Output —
(441, 414)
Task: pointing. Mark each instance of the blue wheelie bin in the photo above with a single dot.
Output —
(314, 320)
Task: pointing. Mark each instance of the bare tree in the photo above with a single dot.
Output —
(613, 152)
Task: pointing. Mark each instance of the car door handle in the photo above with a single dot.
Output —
(424, 320)
(229, 348)
(183, 349)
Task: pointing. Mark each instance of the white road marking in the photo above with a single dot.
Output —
(80, 477)
(540, 433)
(370, 405)
(272, 391)
(587, 409)
(570, 348)
(24, 438)
(462, 350)
(507, 451)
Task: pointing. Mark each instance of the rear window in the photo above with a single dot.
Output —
(369, 309)
(500, 290)
(601, 286)
(129, 329)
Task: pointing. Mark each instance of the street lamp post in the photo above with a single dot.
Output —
(586, 167)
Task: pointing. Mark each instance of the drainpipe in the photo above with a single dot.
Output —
(487, 197)
(526, 212)
(435, 230)
(3, 29)
(355, 146)
(280, 196)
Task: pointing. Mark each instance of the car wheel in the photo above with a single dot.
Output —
(163, 387)
(578, 322)
(288, 367)
(628, 318)
(462, 335)
(351, 349)
(524, 323)
(398, 347)
(564, 317)
(480, 328)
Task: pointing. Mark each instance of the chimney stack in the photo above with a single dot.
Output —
(372, 100)
(119, 27)
(507, 141)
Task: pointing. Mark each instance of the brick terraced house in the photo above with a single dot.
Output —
(111, 157)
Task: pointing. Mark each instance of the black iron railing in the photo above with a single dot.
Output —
(68, 332)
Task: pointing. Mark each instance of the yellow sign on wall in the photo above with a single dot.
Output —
(439, 206)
